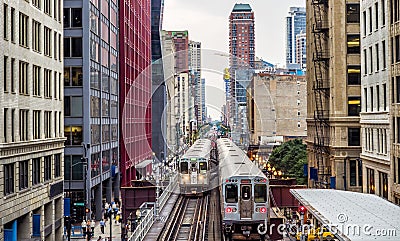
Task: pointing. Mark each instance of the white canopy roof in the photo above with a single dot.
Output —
(352, 215)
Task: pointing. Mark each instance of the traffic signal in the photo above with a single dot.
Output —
(302, 210)
(87, 210)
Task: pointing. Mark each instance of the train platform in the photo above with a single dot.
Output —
(158, 225)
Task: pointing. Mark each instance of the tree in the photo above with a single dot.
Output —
(290, 158)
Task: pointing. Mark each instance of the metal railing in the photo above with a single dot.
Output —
(144, 226)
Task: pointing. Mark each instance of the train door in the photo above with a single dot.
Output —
(246, 201)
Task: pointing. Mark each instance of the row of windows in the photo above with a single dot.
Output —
(51, 169)
(373, 55)
(381, 140)
(383, 183)
(50, 7)
(374, 17)
(42, 79)
(50, 40)
(374, 99)
(47, 121)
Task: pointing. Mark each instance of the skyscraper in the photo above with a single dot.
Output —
(295, 24)
(195, 68)
(241, 60)
(301, 55)
(135, 88)
(31, 111)
(91, 103)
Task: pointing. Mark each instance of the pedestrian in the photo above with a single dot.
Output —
(114, 208)
(83, 225)
(92, 225)
(102, 225)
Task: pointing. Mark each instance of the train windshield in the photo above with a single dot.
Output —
(246, 192)
(231, 193)
(184, 168)
(202, 167)
(260, 193)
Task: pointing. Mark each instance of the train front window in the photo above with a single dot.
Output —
(231, 193)
(202, 167)
(246, 192)
(260, 193)
(184, 168)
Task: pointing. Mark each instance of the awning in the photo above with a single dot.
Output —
(352, 215)
(143, 164)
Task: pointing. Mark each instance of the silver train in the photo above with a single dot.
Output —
(194, 165)
(243, 194)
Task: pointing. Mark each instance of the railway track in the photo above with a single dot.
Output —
(187, 220)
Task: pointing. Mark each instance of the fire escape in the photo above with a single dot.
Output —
(321, 91)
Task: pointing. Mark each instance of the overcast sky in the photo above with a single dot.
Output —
(207, 22)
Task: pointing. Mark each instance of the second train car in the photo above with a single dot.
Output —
(194, 168)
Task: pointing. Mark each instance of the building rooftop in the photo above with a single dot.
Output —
(241, 7)
(352, 215)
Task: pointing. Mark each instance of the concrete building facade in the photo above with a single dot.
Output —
(91, 88)
(375, 82)
(277, 107)
(394, 90)
(333, 103)
(31, 117)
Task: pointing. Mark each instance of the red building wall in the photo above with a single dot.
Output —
(135, 86)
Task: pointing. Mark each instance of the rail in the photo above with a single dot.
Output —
(144, 226)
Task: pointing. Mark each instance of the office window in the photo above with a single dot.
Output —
(5, 77)
(57, 165)
(9, 179)
(353, 13)
(36, 33)
(67, 17)
(353, 172)
(36, 80)
(47, 168)
(397, 89)
(47, 124)
(23, 125)
(5, 21)
(377, 56)
(47, 83)
(36, 3)
(59, 47)
(396, 51)
(370, 19)
(383, 185)
(72, 47)
(384, 96)
(35, 171)
(376, 16)
(73, 135)
(12, 79)
(55, 84)
(55, 45)
(47, 41)
(47, 7)
(23, 77)
(353, 136)
(370, 181)
(371, 60)
(365, 23)
(23, 30)
(73, 106)
(354, 75)
(23, 174)
(383, 12)
(378, 104)
(384, 54)
(36, 124)
(354, 106)
(371, 89)
(365, 99)
(398, 129)
(76, 17)
(12, 20)
(5, 123)
(365, 62)
(12, 124)
(55, 9)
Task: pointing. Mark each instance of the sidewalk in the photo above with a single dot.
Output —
(116, 232)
